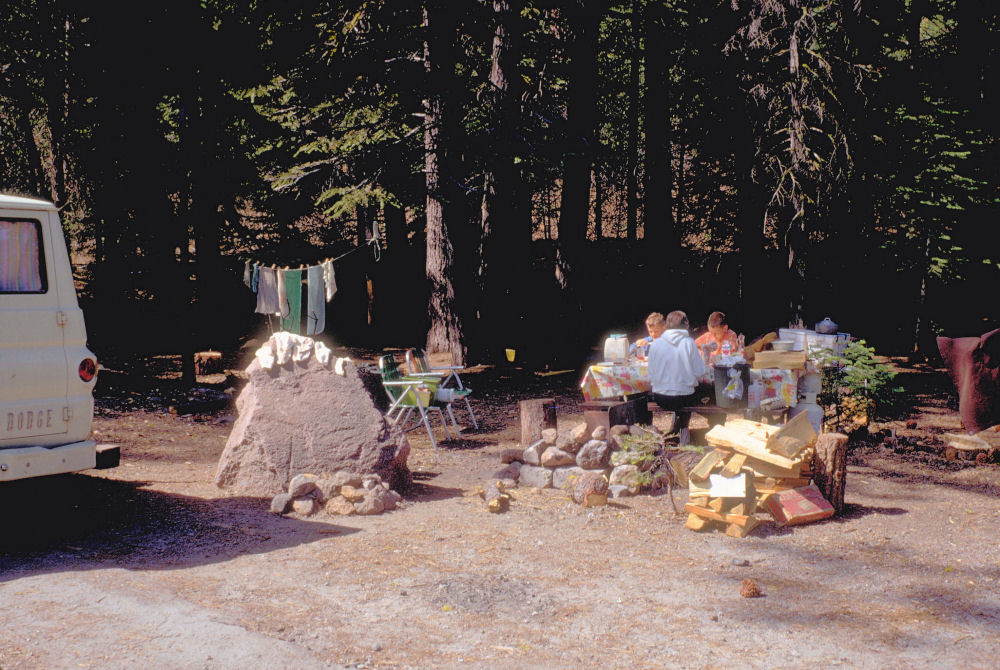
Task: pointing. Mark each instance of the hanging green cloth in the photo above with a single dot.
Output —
(293, 293)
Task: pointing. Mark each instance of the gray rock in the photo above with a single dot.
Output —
(307, 415)
(347, 478)
(392, 499)
(532, 475)
(325, 489)
(600, 433)
(553, 457)
(590, 490)
(512, 471)
(341, 506)
(626, 475)
(371, 481)
(580, 433)
(614, 434)
(351, 493)
(532, 455)
(372, 503)
(565, 476)
(305, 506)
(302, 485)
(281, 503)
(549, 436)
(618, 491)
(594, 455)
(567, 443)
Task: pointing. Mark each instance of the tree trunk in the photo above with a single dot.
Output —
(503, 242)
(830, 468)
(445, 332)
(660, 229)
(632, 139)
(598, 205)
(581, 116)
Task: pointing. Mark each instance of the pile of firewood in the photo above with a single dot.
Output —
(750, 462)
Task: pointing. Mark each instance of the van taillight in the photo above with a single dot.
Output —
(88, 368)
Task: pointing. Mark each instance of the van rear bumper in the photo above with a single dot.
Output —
(23, 462)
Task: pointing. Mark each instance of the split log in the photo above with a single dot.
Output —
(496, 497)
(537, 414)
(830, 468)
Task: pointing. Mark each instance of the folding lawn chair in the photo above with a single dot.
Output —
(416, 361)
(413, 394)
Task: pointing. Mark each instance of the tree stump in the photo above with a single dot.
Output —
(207, 363)
(830, 468)
(537, 414)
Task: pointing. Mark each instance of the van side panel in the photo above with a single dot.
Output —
(33, 369)
(79, 394)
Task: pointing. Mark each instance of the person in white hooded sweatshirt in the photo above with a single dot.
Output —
(675, 368)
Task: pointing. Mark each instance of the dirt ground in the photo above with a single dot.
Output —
(150, 564)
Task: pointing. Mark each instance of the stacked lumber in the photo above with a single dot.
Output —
(750, 461)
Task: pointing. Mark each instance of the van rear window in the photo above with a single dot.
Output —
(22, 263)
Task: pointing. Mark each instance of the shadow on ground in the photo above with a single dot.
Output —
(79, 522)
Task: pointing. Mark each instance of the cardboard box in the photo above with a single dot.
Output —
(782, 384)
(797, 506)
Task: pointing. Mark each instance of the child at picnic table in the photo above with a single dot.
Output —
(675, 368)
(655, 319)
(712, 343)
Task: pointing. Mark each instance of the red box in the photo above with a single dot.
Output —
(796, 506)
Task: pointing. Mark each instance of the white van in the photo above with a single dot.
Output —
(47, 374)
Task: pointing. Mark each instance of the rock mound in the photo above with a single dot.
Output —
(304, 417)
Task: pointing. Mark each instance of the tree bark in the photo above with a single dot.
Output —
(503, 242)
(445, 332)
(660, 229)
(581, 115)
(830, 468)
(632, 138)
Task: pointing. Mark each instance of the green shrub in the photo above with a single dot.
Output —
(856, 384)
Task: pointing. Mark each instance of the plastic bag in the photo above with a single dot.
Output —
(734, 387)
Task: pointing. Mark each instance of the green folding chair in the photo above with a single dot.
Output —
(416, 361)
(413, 397)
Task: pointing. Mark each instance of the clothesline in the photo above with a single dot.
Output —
(332, 259)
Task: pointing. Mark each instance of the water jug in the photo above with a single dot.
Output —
(616, 348)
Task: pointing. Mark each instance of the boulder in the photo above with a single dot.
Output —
(566, 442)
(345, 478)
(532, 475)
(614, 434)
(305, 506)
(625, 475)
(340, 505)
(549, 437)
(580, 433)
(554, 457)
(590, 490)
(594, 455)
(563, 478)
(281, 503)
(600, 433)
(373, 502)
(304, 417)
(302, 485)
(351, 493)
(533, 454)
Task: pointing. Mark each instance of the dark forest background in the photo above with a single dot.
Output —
(537, 173)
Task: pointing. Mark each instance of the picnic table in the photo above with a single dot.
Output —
(615, 380)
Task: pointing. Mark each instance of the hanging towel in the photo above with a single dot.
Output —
(316, 307)
(248, 275)
(282, 295)
(267, 292)
(291, 318)
(331, 283)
